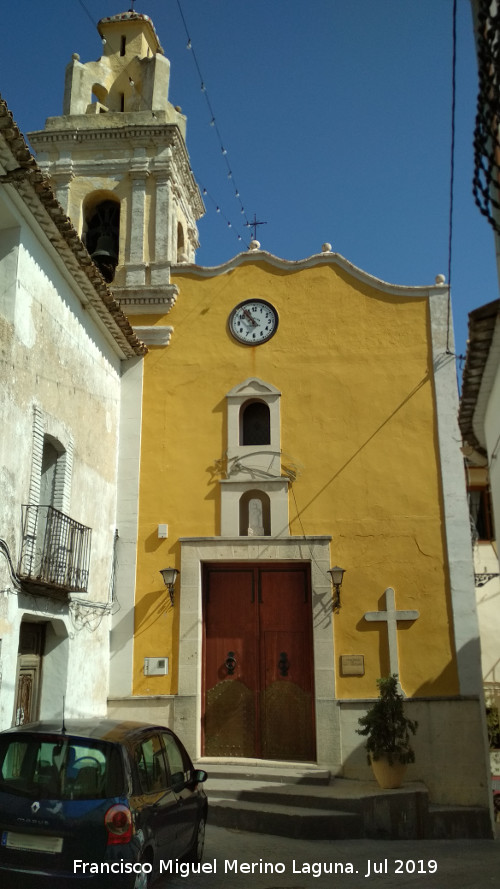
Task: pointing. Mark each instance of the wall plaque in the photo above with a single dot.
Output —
(352, 664)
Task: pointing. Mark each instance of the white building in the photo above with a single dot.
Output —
(480, 426)
(69, 359)
(480, 402)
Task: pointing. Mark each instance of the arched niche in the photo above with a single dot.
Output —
(255, 514)
(253, 460)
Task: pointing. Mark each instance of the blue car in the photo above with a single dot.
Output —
(96, 803)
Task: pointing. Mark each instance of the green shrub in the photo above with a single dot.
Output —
(385, 726)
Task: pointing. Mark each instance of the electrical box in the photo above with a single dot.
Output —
(155, 666)
(162, 531)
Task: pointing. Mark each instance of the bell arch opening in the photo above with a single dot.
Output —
(99, 93)
(101, 214)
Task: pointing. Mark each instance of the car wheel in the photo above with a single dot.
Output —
(195, 853)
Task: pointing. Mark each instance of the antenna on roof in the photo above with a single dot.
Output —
(63, 727)
(132, 6)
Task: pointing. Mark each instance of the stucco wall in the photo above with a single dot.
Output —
(447, 745)
(56, 361)
(353, 364)
(487, 600)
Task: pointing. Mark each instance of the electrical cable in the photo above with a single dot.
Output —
(458, 358)
(219, 210)
(16, 580)
(213, 120)
(452, 165)
(86, 11)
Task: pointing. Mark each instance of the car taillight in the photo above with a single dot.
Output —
(118, 821)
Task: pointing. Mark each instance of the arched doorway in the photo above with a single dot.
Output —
(42, 668)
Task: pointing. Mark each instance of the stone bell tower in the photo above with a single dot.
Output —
(118, 161)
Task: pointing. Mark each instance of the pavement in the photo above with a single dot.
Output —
(240, 860)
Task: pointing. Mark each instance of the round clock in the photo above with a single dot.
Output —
(253, 321)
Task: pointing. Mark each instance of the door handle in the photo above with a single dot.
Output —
(283, 664)
(230, 663)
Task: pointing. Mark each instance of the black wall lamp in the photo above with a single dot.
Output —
(484, 577)
(169, 577)
(337, 576)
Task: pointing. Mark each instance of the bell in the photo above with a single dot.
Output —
(105, 257)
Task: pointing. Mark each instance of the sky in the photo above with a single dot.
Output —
(335, 116)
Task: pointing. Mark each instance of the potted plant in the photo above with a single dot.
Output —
(388, 734)
(493, 723)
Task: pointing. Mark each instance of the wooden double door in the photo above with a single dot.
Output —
(258, 677)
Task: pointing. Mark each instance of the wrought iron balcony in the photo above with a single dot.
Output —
(55, 550)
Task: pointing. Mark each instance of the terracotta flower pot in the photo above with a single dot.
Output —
(388, 776)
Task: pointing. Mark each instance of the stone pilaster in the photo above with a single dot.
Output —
(163, 250)
(135, 271)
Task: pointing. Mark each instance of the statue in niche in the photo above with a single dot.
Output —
(255, 518)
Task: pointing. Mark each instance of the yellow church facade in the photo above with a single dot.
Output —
(290, 417)
(292, 421)
(356, 456)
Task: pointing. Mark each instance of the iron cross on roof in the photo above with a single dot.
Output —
(253, 224)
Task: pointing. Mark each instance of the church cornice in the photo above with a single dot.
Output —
(164, 133)
(154, 336)
(328, 258)
(148, 300)
(178, 167)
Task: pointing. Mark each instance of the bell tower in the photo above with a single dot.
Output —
(118, 161)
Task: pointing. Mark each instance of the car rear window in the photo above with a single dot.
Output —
(60, 767)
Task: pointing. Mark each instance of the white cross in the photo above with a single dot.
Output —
(392, 617)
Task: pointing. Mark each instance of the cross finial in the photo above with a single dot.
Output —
(253, 224)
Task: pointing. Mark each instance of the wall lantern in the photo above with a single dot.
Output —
(169, 577)
(337, 575)
(484, 577)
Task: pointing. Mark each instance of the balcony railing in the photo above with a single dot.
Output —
(55, 550)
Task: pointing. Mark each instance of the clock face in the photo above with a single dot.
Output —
(254, 321)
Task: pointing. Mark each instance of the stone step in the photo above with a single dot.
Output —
(457, 822)
(318, 796)
(300, 801)
(284, 820)
(262, 770)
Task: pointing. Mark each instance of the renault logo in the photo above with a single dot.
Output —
(35, 807)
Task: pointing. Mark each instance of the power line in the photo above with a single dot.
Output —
(213, 119)
(452, 163)
(213, 123)
(218, 209)
(86, 11)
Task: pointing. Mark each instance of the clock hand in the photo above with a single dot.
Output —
(248, 315)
